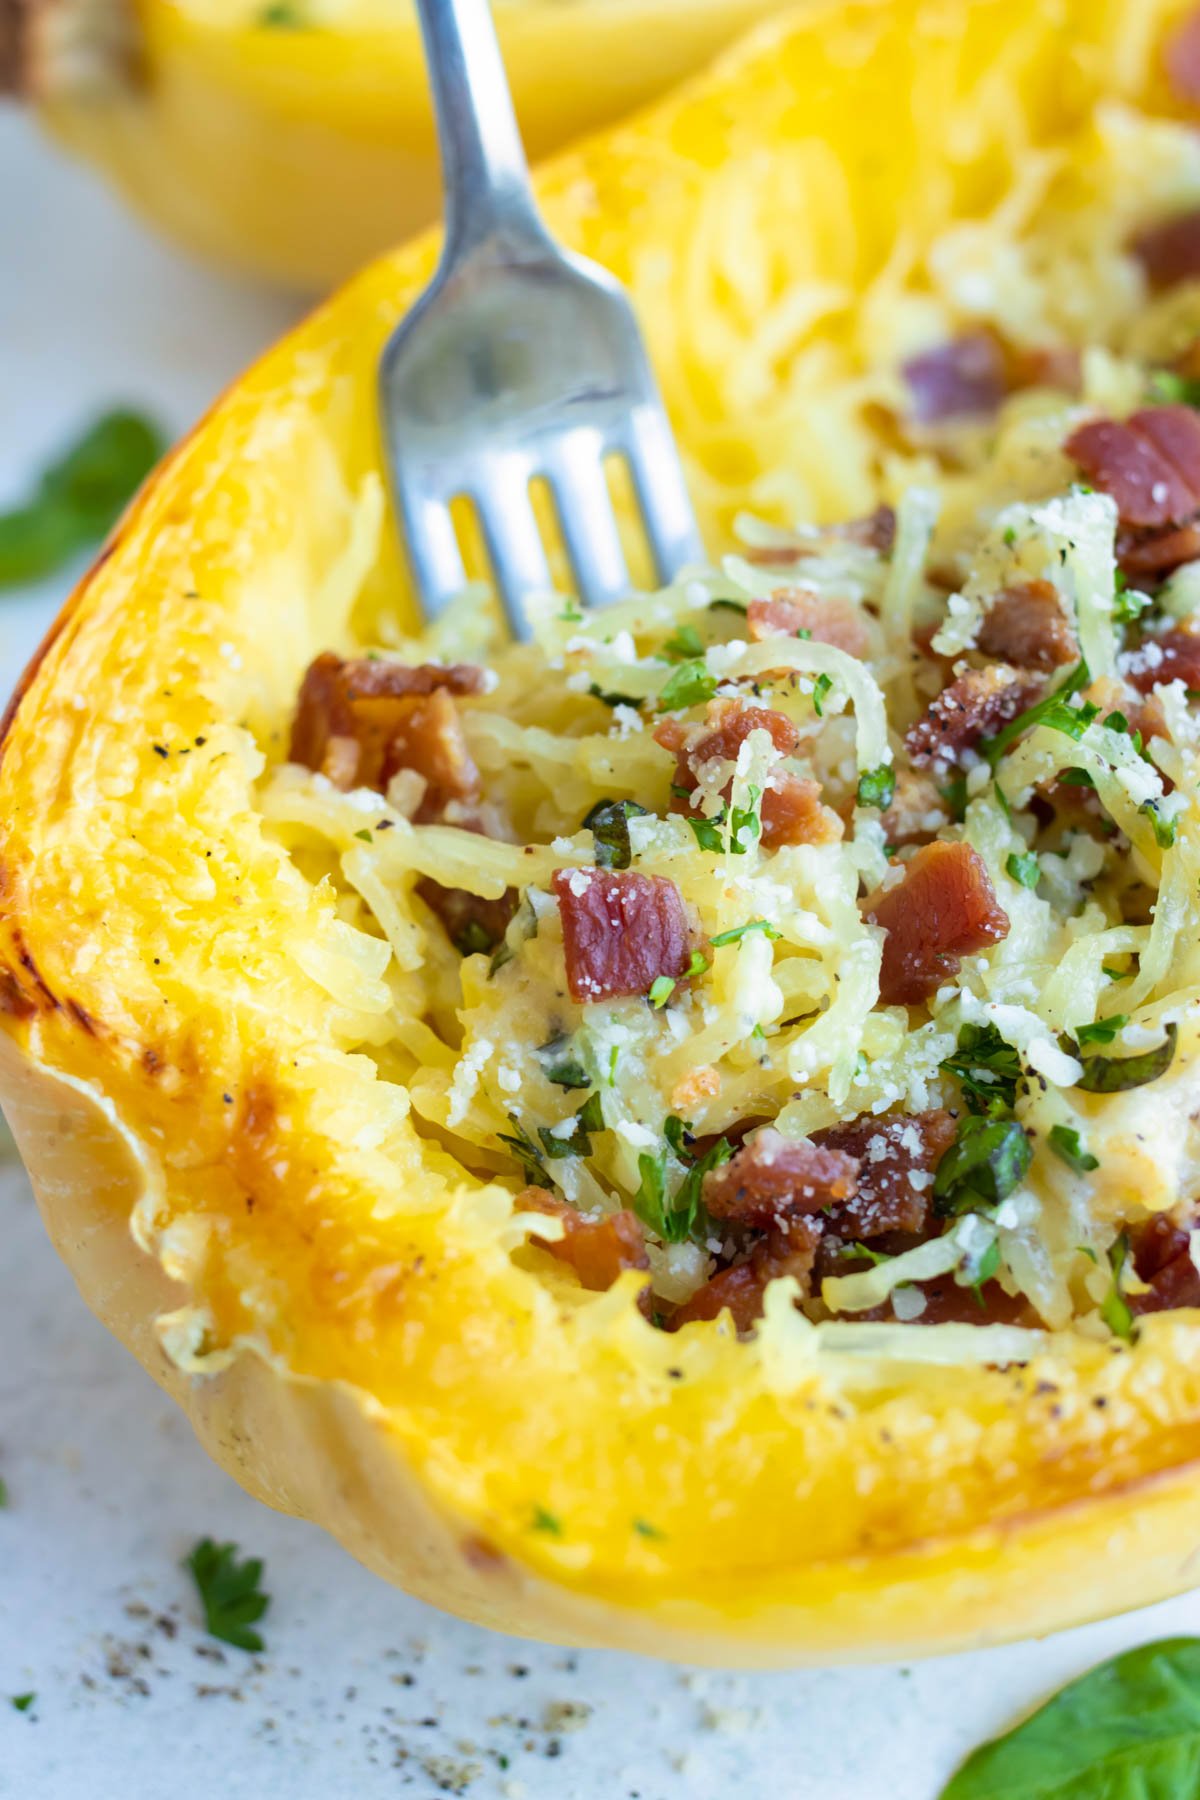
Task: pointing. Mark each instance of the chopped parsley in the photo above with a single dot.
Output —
(876, 787)
(1164, 829)
(661, 989)
(986, 1162)
(1026, 870)
(577, 1142)
(611, 699)
(697, 965)
(559, 1064)
(229, 1593)
(1128, 603)
(474, 939)
(723, 605)
(1103, 1031)
(745, 825)
(738, 932)
(988, 1068)
(1168, 388)
(708, 834)
(1116, 1311)
(1052, 709)
(646, 1530)
(955, 795)
(820, 689)
(522, 1146)
(684, 645)
(1064, 1141)
(688, 685)
(364, 834)
(544, 1520)
(608, 822)
(675, 1218)
(23, 1702)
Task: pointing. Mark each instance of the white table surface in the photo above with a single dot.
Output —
(361, 1692)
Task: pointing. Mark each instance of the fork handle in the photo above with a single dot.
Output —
(484, 171)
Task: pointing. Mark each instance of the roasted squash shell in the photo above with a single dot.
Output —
(277, 139)
(248, 1206)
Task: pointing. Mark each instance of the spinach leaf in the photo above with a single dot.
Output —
(1128, 1730)
(78, 497)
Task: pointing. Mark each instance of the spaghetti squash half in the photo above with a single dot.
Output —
(681, 1134)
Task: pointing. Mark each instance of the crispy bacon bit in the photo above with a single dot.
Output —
(359, 722)
(896, 1161)
(1162, 1258)
(877, 531)
(1158, 661)
(1170, 251)
(471, 923)
(1181, 58)
(773, 1178)
(974, 705)
(1152, 556)
(1058, 366)
(833, 621)
(946, 1303)
(597, 1249)
(1149, 463)
(621, 931)
(944, 908)
(789, 1250)
(1027, 626)
(917, 812)
(964, 377)
(791, 811)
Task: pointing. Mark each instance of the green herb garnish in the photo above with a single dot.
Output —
(544, 1520)
(610, 699)
(684, 645)
(1164, 829)
(988, 1068)
(229, 1593)
(1116, 1311)
(1103, 1031)
(708, 834)
(559, 1064)
(987, 1160)
(1052, 708)
(1024, 869)
(876, 787)
(820, 688)
(608, 822)
(1064, 1141)
(23, 1702)
(78, 497)
(578, 1141)
(738, 932)
(522, 1146)
(660, 991)
(745, 826)
(1117, 1074)
(737, 606)
(689, 685)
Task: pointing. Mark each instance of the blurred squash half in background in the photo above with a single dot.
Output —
(294, 138)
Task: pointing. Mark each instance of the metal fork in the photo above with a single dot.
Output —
(519, 361)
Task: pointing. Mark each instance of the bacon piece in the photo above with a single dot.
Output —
(1152, 556)
(791, 812)
(621, 931)
(1158, 661)
(917, 811)
(358, 722)
(833, 621)
(1181, 58)
(773, 1178)
(973, 706)
(740, 1288)
(964, 377)
(1170, 251)
(876, 531)
(946, 1303)
(597, 1249)
(1149, 463)
(1162, 1257)
(1026, 625)
(471, 923)
(889, 1153)
(944, 908)
(1058, 366)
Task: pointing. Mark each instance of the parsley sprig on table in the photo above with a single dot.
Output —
(229, 1593)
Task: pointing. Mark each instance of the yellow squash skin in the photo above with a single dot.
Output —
(299, 152)
(246, 1204)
